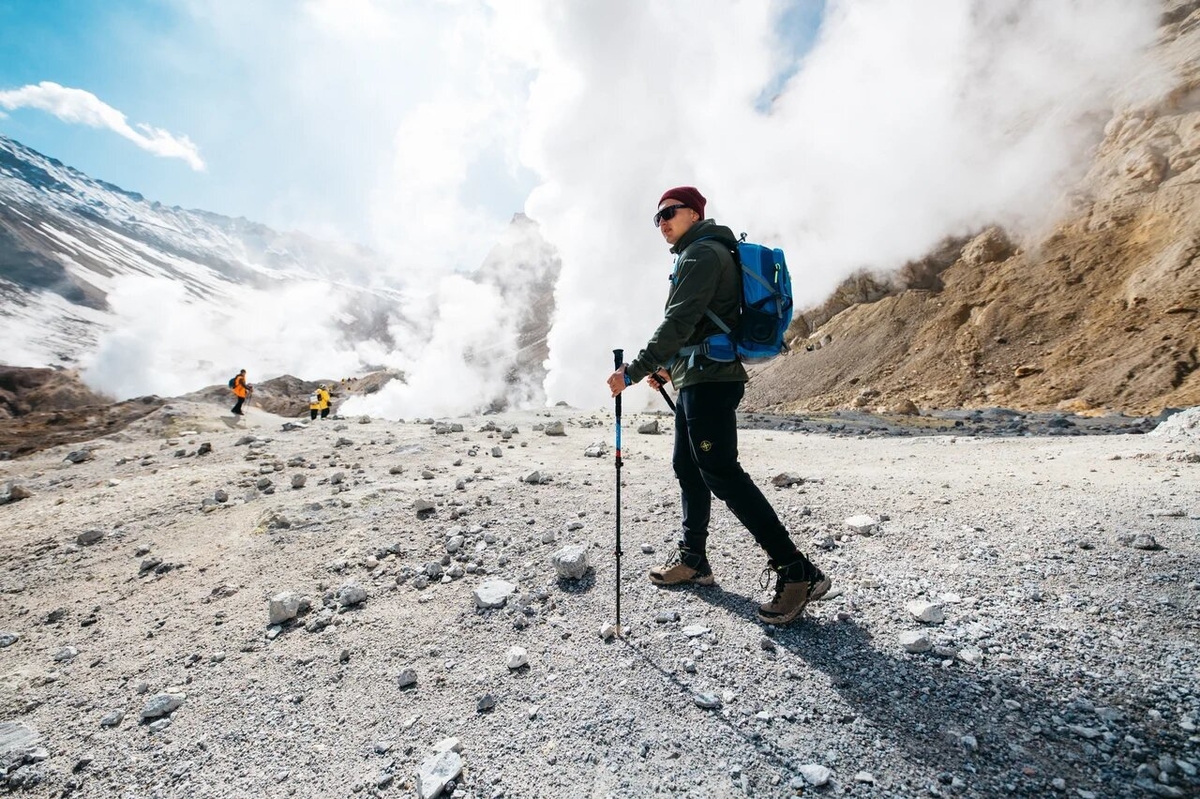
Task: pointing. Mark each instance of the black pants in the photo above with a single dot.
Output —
(237, 406)
(312, 413)
(706, 463)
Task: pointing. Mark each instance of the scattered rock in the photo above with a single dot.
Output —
(707, 701)
(298, 480)
(89, 537)
(79, 456)
(815, 774)
(571, 562)
(282, 607)
(351, 595)
(112, 718)
(915, 641)
(7, 639)
(649, 428)
(928, 612)
(1145, 541)
(555, 429)
(862, 524)
(516, 657)
(13, 492)
(407, 678)
(161, 705)
(436, 771)
(786, 480)
(493, 593)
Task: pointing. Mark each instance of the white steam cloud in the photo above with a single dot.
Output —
(77, 106)
(904, 123)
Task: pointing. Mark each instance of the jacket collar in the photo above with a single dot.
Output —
(702, 228)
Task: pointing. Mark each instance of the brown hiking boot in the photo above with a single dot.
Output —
(683, 567)
(793, 592)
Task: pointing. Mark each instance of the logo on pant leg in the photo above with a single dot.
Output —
(705, 445)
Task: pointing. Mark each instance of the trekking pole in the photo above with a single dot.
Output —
(618, 361)
(662, 390)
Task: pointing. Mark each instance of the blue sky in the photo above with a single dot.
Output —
(294, 115)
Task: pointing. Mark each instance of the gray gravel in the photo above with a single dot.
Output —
(1064, 662)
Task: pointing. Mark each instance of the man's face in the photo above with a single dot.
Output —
(681, 219)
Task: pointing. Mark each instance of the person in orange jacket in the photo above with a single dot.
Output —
(240, 390)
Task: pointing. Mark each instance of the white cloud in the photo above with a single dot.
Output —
(81, 107)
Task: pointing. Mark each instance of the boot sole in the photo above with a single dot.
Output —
(707, 579)
(819, 590)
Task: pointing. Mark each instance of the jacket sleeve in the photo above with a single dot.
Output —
(695, 282)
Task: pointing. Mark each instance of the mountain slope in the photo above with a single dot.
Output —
(1103, 313)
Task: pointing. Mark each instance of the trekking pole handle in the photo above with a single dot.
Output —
(618, 358)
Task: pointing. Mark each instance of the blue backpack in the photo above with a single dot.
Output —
(766, 309)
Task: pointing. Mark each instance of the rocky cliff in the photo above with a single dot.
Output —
(1103, 312)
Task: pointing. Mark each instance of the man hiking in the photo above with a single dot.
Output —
(240, 390)
(705, 455)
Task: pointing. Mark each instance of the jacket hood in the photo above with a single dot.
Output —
(705, 229)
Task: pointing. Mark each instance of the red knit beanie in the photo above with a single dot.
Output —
(688, 195)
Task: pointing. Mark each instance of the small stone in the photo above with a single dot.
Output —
(707, 701)
(89, 537)
(594, 451)
(7, 639)
(815, 774)
(220, 495)
(516, 657)
(493, 593)
(424, 506)
(862, 524)
(407, 678)
(351, 595)
(66, 654)
(282, 607)
(786, 480)
(435, 772)
(667, 617)
(928, 612)
(571, 562)
(608, 631)
(915, 641)
(1146, 542)
(486, 704)
(647, 549)
(497, 452)
(555, 429)
(649, 428)
(970, 655)
(865, 777)
(298, 480)
(694, 630)
(112, 718)
(161, 705)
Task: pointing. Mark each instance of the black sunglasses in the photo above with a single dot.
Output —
(667, 213)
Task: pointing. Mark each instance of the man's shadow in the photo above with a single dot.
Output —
(953, 720)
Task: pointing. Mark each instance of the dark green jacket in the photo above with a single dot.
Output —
(702, 280)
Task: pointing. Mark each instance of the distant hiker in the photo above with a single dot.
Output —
(241, 390)
(318, 402)
(705, 456)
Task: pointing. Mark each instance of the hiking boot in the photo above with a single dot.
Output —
(683, 566)
(796, 584)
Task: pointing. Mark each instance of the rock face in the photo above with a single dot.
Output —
(1103, 311)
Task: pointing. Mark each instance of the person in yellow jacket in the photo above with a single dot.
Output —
(318, 402)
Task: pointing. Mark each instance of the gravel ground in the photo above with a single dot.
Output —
(1064, 568)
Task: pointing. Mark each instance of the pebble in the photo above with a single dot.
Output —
(351, 595)
(915, 641)
(161, 705)
(282, 607)
(486, 703)
(67, 653)
(516, 657)
(298, 480)
(1145, 541)
(406, 678)
(570, 562)
(112, 718)
(707, 701)
(493, 593)
(89, 537)
(861, 524)
(925, 611)
(555, 429)
(7, 639)
(694, 630)
(436, 771)
(815, 774)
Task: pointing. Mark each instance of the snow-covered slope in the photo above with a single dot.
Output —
(67, 241)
